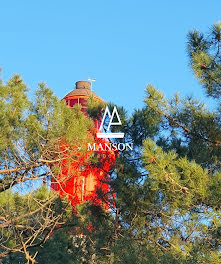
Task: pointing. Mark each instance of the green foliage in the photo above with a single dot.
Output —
(170, 202)
(205, 57)
(31, 134)
(168, 199)
(44, 120)
(94, 108)
(13, 103)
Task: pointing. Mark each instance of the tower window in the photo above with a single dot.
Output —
(73, 102)
(83, 102)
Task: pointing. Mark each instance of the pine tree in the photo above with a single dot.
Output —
(30, 134)
(168, 189)
(168, 199)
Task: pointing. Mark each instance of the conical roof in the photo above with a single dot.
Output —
(82, 88)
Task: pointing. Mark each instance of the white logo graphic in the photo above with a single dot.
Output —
(111, 123)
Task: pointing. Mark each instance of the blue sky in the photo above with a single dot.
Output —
(123, 44)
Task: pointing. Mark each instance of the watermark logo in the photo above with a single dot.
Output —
(111, 123)
(114, 120)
